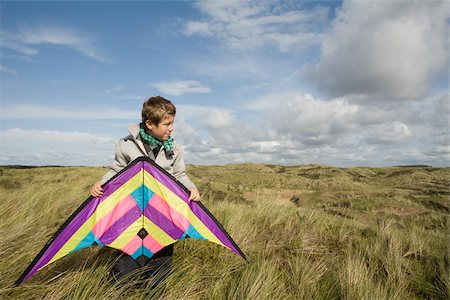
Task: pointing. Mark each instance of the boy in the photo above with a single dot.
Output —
(150, 138)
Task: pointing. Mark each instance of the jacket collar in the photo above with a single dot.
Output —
(134, 131)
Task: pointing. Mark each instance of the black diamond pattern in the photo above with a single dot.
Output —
(142, 233)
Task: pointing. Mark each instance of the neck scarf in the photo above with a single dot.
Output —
(152, 142)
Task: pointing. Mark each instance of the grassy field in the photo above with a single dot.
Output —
(309, 232)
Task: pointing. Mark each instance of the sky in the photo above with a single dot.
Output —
(340, 83)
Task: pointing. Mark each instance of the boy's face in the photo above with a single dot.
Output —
(163, 130)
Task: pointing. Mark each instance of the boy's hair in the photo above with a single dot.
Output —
(156, 108)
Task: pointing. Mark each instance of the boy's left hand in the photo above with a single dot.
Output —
(194, 196)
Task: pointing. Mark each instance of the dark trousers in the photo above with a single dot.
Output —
(158, 266)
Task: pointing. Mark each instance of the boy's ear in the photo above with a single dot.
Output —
(149, 124)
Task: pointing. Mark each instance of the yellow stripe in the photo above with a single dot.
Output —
(102, 209)
(125, 237)
(74, 240)
(157, 233)
(180, 206)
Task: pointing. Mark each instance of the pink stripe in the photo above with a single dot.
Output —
(113, 215)
(161, 206)
(132, 246)
(152, 244)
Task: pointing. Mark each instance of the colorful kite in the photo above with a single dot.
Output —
(143, 209)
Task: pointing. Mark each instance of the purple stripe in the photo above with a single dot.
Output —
(82, 216)
(195, 208)
(120, 225)
(117, 182)
(162, 222)
(212, 226)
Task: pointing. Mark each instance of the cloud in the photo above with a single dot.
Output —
(115, 89)
(388, 133)
(29, 111)
(299, 128)
(218, 118)
(180, 87)
(251, 24)
(303, 129)
(387, 48)
(314, 121)
(203, 29)
(54, 147)
(441, 113)
(212, 117)
(7, 70)
(226, 67)
(338, 122)
(135, 97)
(442, 150)
(26, 40)
(10, 41)
(269, 101)
(215, 126)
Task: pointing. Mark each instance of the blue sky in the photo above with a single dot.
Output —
(284, 82)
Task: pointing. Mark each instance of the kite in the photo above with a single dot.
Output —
(142, 210)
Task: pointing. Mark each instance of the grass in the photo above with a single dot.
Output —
(309, 232)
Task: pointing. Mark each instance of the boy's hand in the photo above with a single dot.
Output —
(97, 190)
(194, 196)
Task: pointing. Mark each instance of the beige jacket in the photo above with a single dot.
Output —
(127, 151)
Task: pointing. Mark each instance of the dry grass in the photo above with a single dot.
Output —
(310, 232)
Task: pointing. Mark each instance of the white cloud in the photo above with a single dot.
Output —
(28, 135)
(53, 147)
(251, 24)
(441, 113)
(232, 67)
(180, 87)
(8, 70)
(387, 48)
(269, 101)
(314, 121)
(299, 128)
(199, 28)
(217, 119)
(227, 11)
(26, 39)
(205, 115)
(10, 41)
(115, 89)
(388, 133)
(135, 97)
(442, 149)
(49, 112)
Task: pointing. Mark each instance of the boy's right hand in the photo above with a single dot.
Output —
(97, 190)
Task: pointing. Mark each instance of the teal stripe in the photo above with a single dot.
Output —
(88, 240)
(142, 251)
(193, 233)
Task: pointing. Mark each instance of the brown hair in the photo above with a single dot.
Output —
(156, 108)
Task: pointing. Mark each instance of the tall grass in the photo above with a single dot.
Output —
(354, 234)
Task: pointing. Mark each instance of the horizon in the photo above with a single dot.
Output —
(231, 164)
(337, 83)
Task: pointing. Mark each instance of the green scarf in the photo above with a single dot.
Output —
(148, 139)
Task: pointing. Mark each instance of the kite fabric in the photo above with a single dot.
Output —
(142, 210)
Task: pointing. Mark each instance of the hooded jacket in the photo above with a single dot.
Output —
(127, 150)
